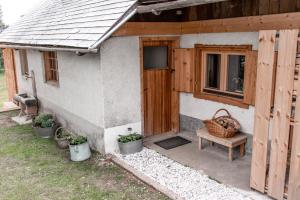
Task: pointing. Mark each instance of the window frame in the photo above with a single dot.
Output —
(219, 95)
(23, 62)
(51, 68)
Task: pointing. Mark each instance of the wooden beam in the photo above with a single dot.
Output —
(173, 5)
(282, 111)
(239, 24)
(294, 177)
(265, 65)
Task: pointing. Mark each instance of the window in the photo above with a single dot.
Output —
(23, 62)
(155, 57)
(50, 64)
(222, 72)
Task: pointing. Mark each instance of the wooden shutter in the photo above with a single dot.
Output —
(250, 77)
(184, 70)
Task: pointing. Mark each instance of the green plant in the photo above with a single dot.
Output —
(44, 121)
(77, 140)
(129, 138)
(63, 134)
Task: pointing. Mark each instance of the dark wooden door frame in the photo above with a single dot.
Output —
(174, 94)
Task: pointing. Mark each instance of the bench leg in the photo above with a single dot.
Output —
(242, 150)
(230, 154)
(200, 144)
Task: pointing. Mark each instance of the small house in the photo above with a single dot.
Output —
(161, 66)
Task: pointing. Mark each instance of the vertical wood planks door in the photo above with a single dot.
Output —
(10, 73)
(282, 111)
(264, 78)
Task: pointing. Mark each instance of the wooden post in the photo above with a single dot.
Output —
(294, 177)
(282, 111)
(262, 109)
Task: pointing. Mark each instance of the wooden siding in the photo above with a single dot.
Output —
(239, 24)
(221, 10)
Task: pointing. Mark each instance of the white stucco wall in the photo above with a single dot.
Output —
(120, 61)
(78, 100)
(203, 109)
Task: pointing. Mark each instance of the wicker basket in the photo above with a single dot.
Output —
(222, 126)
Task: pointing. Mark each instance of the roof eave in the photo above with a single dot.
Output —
(48, 48)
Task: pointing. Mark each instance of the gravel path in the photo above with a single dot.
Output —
(187, 183)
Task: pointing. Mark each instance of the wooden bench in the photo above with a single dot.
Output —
(240, 139)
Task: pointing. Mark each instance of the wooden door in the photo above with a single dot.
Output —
(158, 88)
(10, 72)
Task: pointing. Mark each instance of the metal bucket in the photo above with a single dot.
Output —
(45, 132)
(131, 147)
(80, 152)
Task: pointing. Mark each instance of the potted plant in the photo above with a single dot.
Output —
(79, 148)
(131, 143)
(61, 137)
(44, 125)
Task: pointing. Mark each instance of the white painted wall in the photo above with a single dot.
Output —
(78, 100)
(120, 62)
(204, 109)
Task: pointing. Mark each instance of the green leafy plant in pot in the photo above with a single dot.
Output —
(44, 125)
(130, 143)
(79, 148)
(61, 138)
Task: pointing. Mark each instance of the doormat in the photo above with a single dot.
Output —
(173, 142)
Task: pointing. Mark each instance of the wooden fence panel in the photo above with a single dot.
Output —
(264, 79)
(282, 111)
(294, 177)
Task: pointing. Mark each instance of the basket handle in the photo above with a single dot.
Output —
(223, 109)
(57, 130)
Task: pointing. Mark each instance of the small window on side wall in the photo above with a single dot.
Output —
(23, 62)
(51, 68)
(222, 74)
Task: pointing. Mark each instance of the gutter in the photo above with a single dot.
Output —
(41, 48)
(115, 28)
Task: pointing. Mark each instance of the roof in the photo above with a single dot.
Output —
(69, 23)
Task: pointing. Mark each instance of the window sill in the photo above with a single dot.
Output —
(52, 83)
(222, 99)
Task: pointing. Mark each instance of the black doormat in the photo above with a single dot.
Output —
(173, 142)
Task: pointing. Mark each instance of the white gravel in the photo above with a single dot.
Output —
(187, 183)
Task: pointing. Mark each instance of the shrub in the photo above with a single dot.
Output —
(77, 140)
(129, 138)
(44, 121)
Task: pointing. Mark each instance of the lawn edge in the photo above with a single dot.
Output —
(145, 179)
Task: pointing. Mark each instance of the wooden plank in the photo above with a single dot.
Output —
(294, 176)
(184, 70)
(262, 108)
(282, 111)
(10, 72)
(238, 24)
(250, 78)
(264, 6)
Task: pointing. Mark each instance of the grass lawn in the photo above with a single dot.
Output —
(3, 91)
(34, 168)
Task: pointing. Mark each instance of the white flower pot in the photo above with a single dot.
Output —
(80, 152)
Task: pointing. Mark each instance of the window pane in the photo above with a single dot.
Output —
(235, 73)
(213, 63)
(155, 57)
